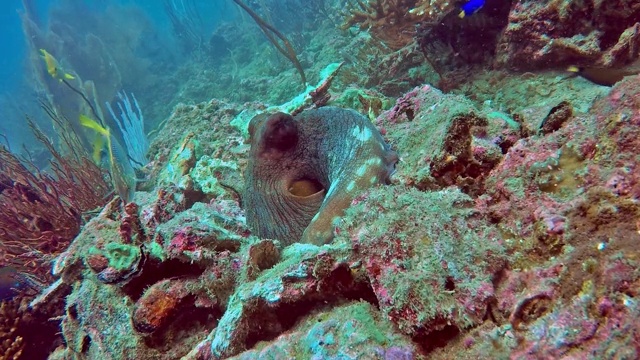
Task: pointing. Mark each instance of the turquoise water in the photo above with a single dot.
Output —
(11, 45)
(12, 71)
(156, 44)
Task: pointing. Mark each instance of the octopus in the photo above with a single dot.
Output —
(304, 171)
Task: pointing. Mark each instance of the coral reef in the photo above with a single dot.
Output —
(177, 274)
(392, 21)
(510, 226)
(505, 233)
(523, 36)
(552, 33)
(555, 198)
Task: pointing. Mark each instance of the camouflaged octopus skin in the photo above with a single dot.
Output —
(303, 172)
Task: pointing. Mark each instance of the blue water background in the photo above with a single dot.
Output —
(17, 95)
(12, 71)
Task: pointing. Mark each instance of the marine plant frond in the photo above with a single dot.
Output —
(131, 125)
(269, 31)
(185, 21)
(70, 144)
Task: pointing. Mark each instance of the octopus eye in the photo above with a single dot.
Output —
(281, 132)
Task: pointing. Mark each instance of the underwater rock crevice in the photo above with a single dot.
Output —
(186, 316)
(156, 272)
(459, 48)
(429, 341)
(287, 315)
(286, 297)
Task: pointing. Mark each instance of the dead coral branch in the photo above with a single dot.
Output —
(394, 21)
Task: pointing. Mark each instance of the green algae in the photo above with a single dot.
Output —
(155, 250)
(121, 256)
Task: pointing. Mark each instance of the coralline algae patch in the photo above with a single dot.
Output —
(585, 153)
(567, 206)
(561, 199)
(437, 239)
(494, 237)
(444, 140)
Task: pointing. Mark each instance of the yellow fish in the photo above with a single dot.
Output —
(122, 173)
(93, 125)
(53, 68)
(99, 142)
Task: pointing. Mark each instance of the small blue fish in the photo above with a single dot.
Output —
(471, 7)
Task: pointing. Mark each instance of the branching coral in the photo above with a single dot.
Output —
(40, 213)
(393, 21)
(27, 332)
(11, 344)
